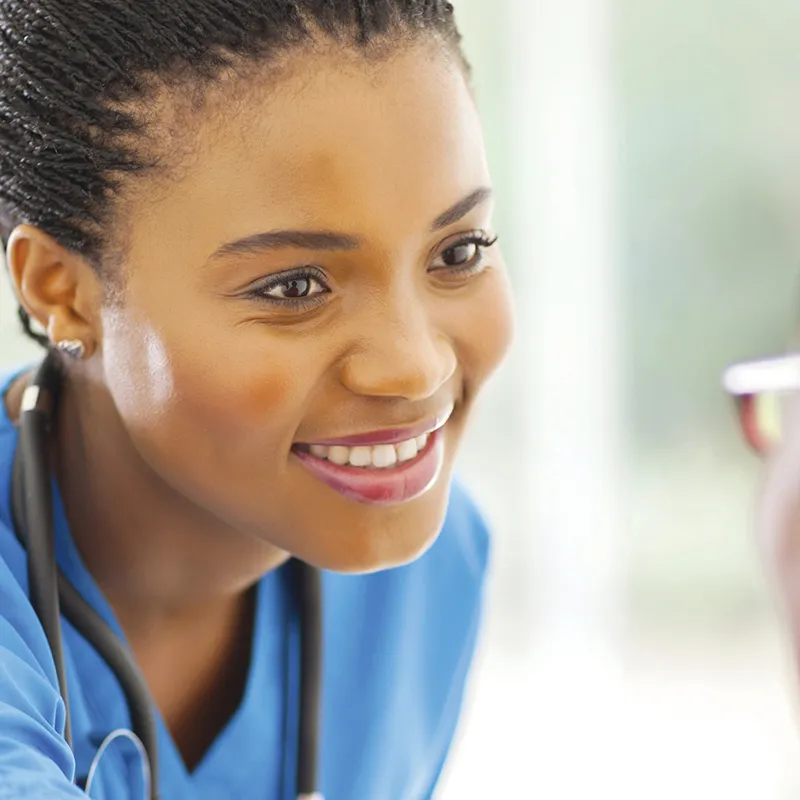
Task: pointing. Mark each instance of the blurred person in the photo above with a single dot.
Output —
(256, 242)
(767, 396)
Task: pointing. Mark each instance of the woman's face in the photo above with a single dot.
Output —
(312, 288)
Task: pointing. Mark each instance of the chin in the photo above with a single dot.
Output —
(386, 538)
(366, 561)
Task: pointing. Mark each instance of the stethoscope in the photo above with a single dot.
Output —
(51, 594)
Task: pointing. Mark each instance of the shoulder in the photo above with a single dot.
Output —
(36, 758)
(22, 639)
(18, 622)
(16, 612)
(9, 437)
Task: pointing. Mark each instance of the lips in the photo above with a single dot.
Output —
(402, 481)
(388, 486)
(389, 436)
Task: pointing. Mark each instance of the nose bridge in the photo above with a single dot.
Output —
(400, 351)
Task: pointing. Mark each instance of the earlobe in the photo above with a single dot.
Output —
(55, 286)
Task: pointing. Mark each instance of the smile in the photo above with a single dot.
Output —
(381, 456)
(394, 470)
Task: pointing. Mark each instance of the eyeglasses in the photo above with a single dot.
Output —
(760, 390)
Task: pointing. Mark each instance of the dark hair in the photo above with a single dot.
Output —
(73, 71)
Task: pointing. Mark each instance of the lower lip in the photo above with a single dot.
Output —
(381, 487)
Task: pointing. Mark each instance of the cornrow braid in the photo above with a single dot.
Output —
(72, 70)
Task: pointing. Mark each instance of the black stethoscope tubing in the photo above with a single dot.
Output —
(51, 593)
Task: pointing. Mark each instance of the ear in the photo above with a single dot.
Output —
(55, 286)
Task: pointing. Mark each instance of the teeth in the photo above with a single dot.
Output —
(382, 456)
(360, 456)
(339, 455)
(407, 450)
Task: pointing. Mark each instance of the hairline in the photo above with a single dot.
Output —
(189, 100)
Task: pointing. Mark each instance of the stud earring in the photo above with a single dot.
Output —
(73, 348)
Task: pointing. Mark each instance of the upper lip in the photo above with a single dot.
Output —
(390, 435)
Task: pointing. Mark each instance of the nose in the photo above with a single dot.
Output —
(400, 354)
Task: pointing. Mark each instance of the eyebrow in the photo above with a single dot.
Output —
(461, 208)
(328, 240)
(276, 240)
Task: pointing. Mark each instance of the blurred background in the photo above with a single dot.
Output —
(647, 154)
(647, 157)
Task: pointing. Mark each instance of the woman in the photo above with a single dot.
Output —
(258, 236)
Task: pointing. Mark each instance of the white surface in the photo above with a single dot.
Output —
(696, 721)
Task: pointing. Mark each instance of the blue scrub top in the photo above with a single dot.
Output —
(397, 650)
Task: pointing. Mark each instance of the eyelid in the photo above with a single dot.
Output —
(277, 278)
(477, 235)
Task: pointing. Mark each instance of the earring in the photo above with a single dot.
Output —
(73, 348)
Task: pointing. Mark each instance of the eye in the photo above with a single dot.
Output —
(297, 288)
(460, 254)
(464, 255)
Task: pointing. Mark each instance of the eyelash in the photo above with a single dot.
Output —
(482, 241)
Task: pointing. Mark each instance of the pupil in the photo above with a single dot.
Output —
(297, 287)
(460, 254)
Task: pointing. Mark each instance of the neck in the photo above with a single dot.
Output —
(157, 556)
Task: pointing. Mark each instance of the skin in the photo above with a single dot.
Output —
(174, 452)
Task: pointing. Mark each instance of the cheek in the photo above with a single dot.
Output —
(137, 366)
(485, 328)
(192, 388)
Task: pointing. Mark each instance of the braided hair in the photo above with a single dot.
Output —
(74, 72)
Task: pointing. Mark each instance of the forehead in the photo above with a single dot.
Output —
(336, 142)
